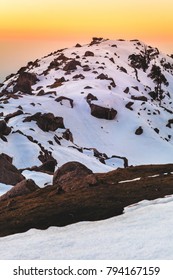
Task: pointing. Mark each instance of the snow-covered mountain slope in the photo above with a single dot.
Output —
(144, 231)
(107, 104)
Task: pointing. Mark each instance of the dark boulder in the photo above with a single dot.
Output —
(139, 130)
(126, 90)
(46, 121)
(9, 174)
(68, 135)
(71, 65)
(4, 129)
(102, 112)
(139, 98)
(25, 81)
(90, 97)
(73, 175)
(89, 53)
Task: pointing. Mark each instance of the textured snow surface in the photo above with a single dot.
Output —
(144, 231)
(112, 137)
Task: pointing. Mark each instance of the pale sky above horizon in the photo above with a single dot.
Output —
(31, 29)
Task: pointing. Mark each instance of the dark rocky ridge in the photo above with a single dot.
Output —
(102, 198)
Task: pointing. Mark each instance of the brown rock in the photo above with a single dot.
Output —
(9, 174)
(71, 65)
(140, 98)
(89, 53)
(139, 131)
(22, 188)
(47, 166)
(129, 105)
(4, 129)
(46, 121)
(73, 175)
(25, 81)
(61, 98)
(12, 115)
(102, 112)
(68, 135)
(126, 90)
(90, 97)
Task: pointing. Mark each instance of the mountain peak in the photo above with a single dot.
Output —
(106, 104)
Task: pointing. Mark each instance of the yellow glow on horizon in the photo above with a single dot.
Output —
(51, 19)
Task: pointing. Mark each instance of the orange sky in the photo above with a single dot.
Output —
(29, 29)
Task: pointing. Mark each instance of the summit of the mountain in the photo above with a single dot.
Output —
(106, 104)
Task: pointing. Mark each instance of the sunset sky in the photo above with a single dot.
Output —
(30, 29)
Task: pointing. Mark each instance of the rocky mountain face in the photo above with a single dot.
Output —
(104, 105)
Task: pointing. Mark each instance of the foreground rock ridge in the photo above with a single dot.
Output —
(76, 124)
(78, 194)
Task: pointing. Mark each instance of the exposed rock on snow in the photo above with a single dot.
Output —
(46, 121)
(25, 81)
(80, 195)
(139, 131)
(9, 174)
(4, 129)
(102, 112)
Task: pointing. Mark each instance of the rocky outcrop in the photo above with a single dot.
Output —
(51, 206)
(9, 174)
(71, 65)
(73, 175)
(4, 129)
(22, 188)
(102, 112)
(24, 82)
(47, 121)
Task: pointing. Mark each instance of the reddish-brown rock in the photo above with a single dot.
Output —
(71, 65)
(22, 188)
(89, 53)
(61, 98)
(46, 121)
(73, 175)
(4, 129)
(25, 81)
(102, 112)
(9, 174)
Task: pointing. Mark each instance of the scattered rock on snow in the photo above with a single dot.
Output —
(46, 121)
(139, 131)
